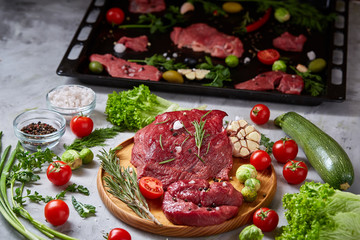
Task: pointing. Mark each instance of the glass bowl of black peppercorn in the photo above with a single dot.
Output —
(39, 128)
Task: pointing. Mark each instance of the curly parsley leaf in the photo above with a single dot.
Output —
(313, 83)
(218, 74)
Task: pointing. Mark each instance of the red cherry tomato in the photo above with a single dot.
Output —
(285, 149)
(295, 172)
(119, 234)
(115, 16)
(81, 126)
(150, 187)
(59, 173)
(260, 114)
(268, 56)
(260, 160)
(56, 212)
(266, 219)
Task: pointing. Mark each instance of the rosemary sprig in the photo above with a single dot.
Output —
(160, 141)
(200, 133)
(122, 183)
(166, 161)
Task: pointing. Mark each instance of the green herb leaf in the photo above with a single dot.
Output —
(313, 83)
(267, 143)
(84, 210)
(218, 73)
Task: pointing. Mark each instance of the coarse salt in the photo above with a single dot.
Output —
(71, 97)
(119, 48)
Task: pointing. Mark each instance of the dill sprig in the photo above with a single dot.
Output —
(122, 183)
(96, 138)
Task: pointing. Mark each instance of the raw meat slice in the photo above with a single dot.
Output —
(291, 84)
(262, 82)
(146, 6)
(162, 141)
(283, 82)
(198, 203)
(138, 44)
(289, 42)
(200, 37)
(121, 68)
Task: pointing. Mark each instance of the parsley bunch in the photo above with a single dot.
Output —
(218, 74)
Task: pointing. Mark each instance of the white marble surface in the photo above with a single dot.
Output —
(33, 38)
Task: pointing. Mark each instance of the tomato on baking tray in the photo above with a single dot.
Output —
(268, 56)
(150, 187)
(115, 16)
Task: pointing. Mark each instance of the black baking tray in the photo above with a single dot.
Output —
(95, 35)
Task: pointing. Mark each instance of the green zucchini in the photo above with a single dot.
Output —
(326, 156)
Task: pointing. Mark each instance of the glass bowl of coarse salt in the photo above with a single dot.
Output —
(71, 100)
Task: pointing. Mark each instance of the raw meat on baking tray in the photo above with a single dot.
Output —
(200, 37)
(166, 149)
(198, 203)
(138, 44)
(121, 68)
(283, 82)
(289, 42)
(146, 6)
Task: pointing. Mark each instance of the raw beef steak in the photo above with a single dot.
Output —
(289, 42)
(138, 44)
(166, 149)
(146, 6)
(200, 37)
(283, 82)
(198, 203)
(121, 68)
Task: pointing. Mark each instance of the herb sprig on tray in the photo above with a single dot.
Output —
(302, 14)
(313, 83)
(158, 61)
(158, 24)
(122, 183)
(218, 74)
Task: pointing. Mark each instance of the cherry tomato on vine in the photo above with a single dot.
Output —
(56, 212)
(115, 16)
(81, 126)
(119, 234)
(260, 160)
(150, 187)
(268, 56)
(266, 219)
(59, 173)
(260, 114)
(285, 149)
(295, 172)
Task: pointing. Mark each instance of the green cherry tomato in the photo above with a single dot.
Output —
(96, 67)
(232, 61)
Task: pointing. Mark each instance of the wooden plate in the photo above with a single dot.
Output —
(121, 211)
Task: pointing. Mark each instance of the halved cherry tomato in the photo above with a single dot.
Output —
(150, 187)
(268, 56)
(260, 114)
(119, 234)
(295, 172)
(285, 149)
(115, 16)
(257, 24)
(266, 219)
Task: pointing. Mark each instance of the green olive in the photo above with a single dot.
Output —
(96, 67)
(317, 65)
(232, 7)
(173, 76)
